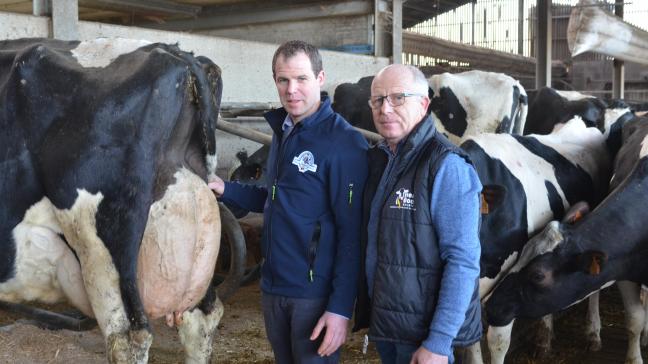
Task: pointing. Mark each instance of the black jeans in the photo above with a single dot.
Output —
(289, 323)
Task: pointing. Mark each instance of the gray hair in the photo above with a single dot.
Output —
(420, 83)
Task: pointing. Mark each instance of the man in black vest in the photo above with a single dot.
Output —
(419, 291)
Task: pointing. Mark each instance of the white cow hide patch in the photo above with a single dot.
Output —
(101, 52)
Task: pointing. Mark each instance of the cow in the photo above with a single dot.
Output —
(550, 107)
(350, 101)
(528, 181)
(106, 147)
(475, 102)
(570, 260)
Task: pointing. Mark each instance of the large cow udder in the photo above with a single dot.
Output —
(178, 253)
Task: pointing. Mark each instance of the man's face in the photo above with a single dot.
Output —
(298, 87)
(394, 123)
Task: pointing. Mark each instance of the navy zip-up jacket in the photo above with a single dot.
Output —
(312, 208)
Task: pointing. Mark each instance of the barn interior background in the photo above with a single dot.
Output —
(358, 38)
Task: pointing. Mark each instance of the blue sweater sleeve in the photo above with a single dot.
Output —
(346, 183)
(455, 212)
(247, 197)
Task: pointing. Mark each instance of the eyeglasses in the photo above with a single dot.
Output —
(397, 99)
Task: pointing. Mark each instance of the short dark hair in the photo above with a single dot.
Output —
(292, 48)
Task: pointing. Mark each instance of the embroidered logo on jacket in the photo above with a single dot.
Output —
(305, 162)
(404, 200)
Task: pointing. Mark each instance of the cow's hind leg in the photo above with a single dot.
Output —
(127, 341)
(197, 332)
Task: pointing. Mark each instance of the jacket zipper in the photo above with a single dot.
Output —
(312, 250)
(273, 192)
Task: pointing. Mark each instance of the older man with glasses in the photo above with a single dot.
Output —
(419, 291)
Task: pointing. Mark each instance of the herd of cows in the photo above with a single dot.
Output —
(105, 147)
(573, 151)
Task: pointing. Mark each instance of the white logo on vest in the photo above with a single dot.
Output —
(404, 200)
(305, 162)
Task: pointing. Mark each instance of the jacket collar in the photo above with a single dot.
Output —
(276, 117)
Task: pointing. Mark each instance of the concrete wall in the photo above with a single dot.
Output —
(324, 33)
(246, 66)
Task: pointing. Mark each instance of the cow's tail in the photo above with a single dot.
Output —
(207, 89)
(522, 109)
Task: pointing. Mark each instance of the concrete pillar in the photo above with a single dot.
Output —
(543, 48)
(618, 78)
(397, 31)
(65, 19)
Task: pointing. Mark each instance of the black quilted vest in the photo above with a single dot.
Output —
(409, 269)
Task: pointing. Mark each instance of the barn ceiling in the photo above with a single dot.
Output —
(210, 14)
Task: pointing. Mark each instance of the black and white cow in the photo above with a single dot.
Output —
(528, 181)
(105, 148)
(565, 263)
(476, 102)
(550, 107)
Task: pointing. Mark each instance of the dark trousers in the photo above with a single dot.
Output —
(289, 323)
(394, 353)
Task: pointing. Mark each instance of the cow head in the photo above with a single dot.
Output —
(552, 273)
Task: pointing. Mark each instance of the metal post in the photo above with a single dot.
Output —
(543, 53)
(520, 27)
(378, 30)
(473, 22)
(618, 78)
(41, 7)
(65, 19)
(397, 31)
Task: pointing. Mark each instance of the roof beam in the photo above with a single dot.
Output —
(235, 17)
(144, 6)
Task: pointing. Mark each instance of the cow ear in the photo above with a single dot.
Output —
(576, 212)
(591, 262)
(491, 198)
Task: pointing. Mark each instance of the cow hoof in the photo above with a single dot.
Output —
(129, 349)
(118, 349)
(141, 342)
(594, 343)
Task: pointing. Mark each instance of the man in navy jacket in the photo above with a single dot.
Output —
(312, 212)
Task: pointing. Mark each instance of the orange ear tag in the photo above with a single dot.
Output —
(483, 209)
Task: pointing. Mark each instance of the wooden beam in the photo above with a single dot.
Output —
(268, 15)
(144, 6)
(477, 57)
(593, 30)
